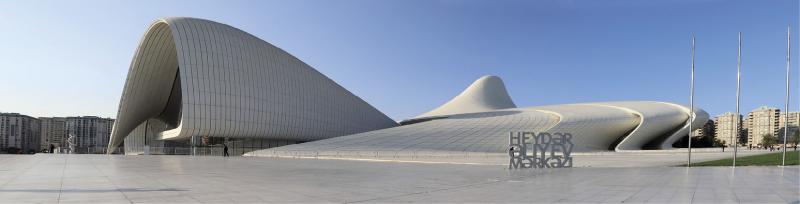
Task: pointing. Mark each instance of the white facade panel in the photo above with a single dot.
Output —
(233, 84)
(476, 121)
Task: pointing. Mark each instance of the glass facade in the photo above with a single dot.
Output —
(146, 134)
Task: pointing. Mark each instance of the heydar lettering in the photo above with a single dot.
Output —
(542, 150)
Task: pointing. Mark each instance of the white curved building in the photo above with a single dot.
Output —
(480, 118)
(192, 77)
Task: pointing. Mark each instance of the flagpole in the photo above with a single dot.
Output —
(788, 69)
(691, 108)
(738, 91)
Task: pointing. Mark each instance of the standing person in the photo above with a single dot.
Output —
(52, 147)
(224, 150)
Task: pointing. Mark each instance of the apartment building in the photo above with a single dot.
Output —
(760, 122)
(19, 133)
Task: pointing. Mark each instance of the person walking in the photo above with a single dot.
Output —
(224, 150)
(52, 147)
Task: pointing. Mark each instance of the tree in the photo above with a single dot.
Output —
(719, 143)
(768, 140)
(706, 141)
(743, 137)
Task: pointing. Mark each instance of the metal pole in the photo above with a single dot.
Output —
(691, 108)
(146, 150)
(788, 69)
(192, 148)
(738, 89)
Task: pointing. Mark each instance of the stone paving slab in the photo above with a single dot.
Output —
(45, 178)
(642, 158)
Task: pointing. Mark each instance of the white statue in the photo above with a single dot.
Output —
(71, 144)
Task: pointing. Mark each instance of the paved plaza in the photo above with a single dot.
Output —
(643, 158)
(45, 178)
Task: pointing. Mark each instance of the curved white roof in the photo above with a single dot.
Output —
(485, 94)
(604, 126)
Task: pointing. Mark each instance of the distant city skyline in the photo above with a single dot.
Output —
(406, 58)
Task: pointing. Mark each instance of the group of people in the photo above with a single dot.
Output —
(770, 148)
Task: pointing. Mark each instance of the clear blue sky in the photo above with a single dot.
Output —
(64, 58)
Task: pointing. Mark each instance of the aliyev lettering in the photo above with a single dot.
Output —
(542, 150)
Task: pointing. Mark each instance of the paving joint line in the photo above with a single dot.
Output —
(110, 181)
(63, 172)
(450, 188)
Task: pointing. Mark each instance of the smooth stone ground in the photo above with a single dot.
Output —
(45, 178)
(644, 158)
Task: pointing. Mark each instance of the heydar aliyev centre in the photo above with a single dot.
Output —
(195, 81)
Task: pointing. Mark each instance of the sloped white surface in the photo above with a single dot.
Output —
(606, 126)
(485, 94)
(233, 84)
(476, 122)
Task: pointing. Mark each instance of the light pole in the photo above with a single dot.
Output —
(691, 108)
(788, 70)
(738, 89)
